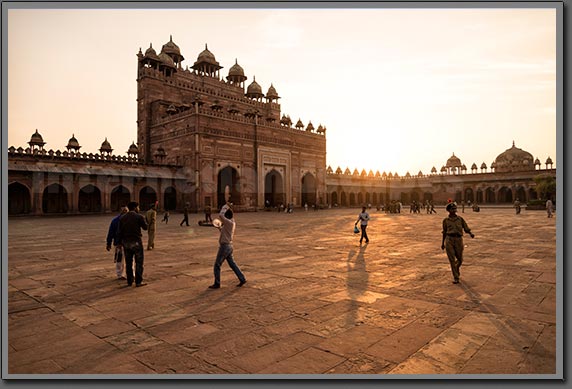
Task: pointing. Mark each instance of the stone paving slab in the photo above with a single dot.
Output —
(316, 302)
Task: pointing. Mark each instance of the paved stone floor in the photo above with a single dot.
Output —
(315, 302)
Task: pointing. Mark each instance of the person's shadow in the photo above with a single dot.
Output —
(356, 281)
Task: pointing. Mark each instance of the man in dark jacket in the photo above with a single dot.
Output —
(129, 233)
(113, 238)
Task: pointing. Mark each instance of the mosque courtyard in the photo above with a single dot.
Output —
(316, 302)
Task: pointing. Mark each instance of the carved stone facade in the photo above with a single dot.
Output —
(232, 142)
(201, 140)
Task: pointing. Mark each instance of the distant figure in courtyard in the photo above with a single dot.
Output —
(185, 215)
(432, 207)
(363, 218)
(112, 237)
(453, 227)
(517, 206)
(476, 208)
(225, 247)
(151, 219)
(208, 211)
(130, 226)
(306, 207)
(463, 206)
(549, 207)
(166, 217)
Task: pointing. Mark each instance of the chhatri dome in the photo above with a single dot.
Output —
(514, 159)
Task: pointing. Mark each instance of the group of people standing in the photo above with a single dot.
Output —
(125, 235)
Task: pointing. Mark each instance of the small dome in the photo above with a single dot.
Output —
(236, 70)
(207, 56)
(151, 53)
(434, 170)
(133, 149)
(549, 161)
(483, 165)
(36, 139)
(537, 161)
(254, 90)
(453, 161)
(73, 143)
(513, 159)
(272, 94)
(310, 127)
(473, 166)
(105, 147)
(171, 48)
(166, 60)
(299, 124)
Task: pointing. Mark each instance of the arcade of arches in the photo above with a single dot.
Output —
(56, 199)
(502, 195)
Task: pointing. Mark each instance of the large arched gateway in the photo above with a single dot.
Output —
(308, 194)
(228, 186)
(274, 189)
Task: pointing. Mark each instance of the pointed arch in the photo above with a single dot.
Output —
(19, 199)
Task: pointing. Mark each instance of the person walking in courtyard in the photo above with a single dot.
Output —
(166, 217)
(432, 207)
(453, 227)
(185, 215)
(363, 217)
(549, 207)
(112, 237)
(225, 250)
(151, 219)
(517, 206)
(130, 226)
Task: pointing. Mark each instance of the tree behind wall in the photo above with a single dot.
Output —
(545, 186)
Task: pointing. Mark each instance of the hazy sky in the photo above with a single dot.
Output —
(398, 89)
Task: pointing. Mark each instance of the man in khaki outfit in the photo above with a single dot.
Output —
(453, 227)
(151, 219)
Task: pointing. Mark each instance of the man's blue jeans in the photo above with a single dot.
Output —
(225, 252)
(133, 249)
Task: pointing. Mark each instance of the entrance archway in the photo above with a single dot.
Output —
(228, 186)
(120, 196)
(505, 195)
(55, 199)
(147, 197)
(308, 189)
(89, 199)
(490, 195)
(169, 199)
(334, 198)
(19, 199)
(469, 195)
(274, 189)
